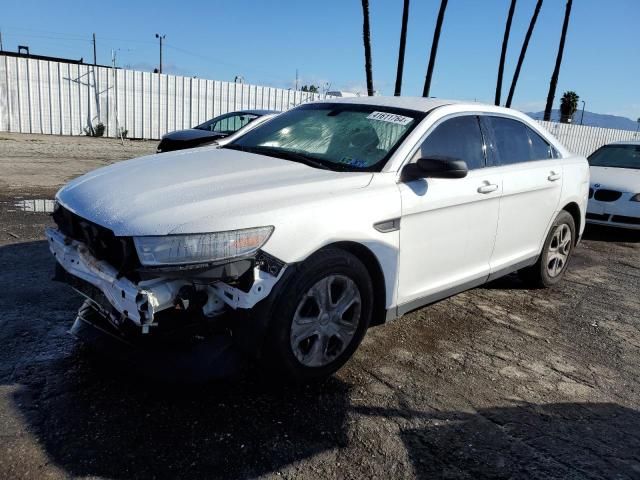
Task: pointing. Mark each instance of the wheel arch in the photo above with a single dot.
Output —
(371, 263)
(574, 210)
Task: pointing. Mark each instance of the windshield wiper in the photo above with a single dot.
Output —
(281, 153)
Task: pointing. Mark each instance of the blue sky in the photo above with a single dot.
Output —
(265, 41)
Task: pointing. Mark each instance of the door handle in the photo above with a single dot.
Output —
(488, 188)
(553, 176)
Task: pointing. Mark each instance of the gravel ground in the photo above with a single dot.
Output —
(49, 161)
(498, 382)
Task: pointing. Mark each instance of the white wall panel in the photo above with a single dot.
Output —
(584, 140)
(38, 96)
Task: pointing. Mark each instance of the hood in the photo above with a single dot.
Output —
(201, 190)
(191, 134)
(621, 179)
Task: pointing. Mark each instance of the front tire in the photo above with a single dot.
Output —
(556, 253)
(320, 317)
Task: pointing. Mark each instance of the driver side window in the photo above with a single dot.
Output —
(459, 138)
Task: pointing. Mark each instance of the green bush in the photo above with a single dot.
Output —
(98, 131)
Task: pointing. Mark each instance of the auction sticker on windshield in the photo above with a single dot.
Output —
(390, 118)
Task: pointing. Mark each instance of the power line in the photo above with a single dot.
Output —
(65, 34)
(219, 61)
(47, 37)
(73, 40)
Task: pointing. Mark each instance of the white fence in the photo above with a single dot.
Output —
(39, 96)
(584, 140)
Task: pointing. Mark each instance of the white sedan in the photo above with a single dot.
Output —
(614, 196)
(325, 220)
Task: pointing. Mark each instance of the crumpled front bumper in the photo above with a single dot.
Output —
(140, 302)
(137, 302)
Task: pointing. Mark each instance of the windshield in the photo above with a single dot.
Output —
(618, 156)
(335, 136)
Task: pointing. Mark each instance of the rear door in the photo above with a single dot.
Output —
(532, 184)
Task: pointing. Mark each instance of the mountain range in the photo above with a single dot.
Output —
(593, 119)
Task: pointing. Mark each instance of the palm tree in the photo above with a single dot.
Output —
(434, 48)
(366, 37)
(568, 106)
(503, 53)
(523, 52)
(403, 42)
(556, 71)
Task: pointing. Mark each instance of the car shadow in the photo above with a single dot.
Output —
(601, 233)
(557, 440)
(92, 422)
(93, 418)
(508, 282)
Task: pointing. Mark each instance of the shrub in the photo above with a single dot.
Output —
(98, 131)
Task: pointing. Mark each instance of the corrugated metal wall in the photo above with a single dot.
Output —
(585, 140)
(38, 96)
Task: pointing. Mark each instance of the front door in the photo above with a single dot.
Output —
(448, 226)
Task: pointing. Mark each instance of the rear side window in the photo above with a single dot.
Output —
(516, 143)
(458, 137)
(540, 149)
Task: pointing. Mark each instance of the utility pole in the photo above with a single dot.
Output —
(582, 116)
(161, 37)
(95, 57)
(1, 47)
(296, 79)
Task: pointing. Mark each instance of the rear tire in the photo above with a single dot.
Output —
(556, 253)
(320, 317)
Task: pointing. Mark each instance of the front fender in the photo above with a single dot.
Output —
(348, 217)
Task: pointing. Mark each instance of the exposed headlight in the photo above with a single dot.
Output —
(635, 198)
(201, 247)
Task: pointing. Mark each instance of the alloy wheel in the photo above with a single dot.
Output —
(559, 250)
(325, 321)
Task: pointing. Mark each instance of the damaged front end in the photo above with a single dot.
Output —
(142, 285)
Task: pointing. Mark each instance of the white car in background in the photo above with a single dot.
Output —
(614, 195)
(327, 219)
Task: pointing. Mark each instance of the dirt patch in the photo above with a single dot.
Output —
(49, 161)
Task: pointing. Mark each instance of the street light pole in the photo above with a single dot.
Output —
(161, 37)
(582, 116)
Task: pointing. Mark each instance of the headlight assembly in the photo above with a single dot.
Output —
(635, 198)
(200, 247)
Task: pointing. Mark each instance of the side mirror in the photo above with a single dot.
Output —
(435, 167)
